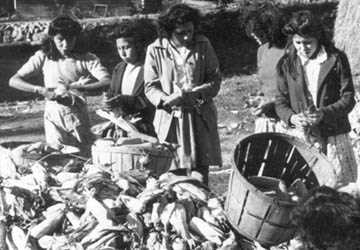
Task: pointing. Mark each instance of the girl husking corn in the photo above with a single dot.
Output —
(68, 71)
(181, 78)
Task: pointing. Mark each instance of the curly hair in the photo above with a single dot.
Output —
(305, 24)
(178, 14)
(328, 218)
(142, 31)
(68, 28)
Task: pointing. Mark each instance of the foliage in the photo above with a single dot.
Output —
(225, 28)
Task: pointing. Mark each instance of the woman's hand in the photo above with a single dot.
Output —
(172, 100)
(47, 93)
(80, 83)
(191, 98)
(315, 118)
(299, 120)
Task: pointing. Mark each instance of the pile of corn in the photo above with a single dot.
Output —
(63, 202)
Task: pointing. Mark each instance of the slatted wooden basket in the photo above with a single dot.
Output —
(125, 158)
(251, 212)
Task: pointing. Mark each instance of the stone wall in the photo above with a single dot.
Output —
(13, 54)
(26, 10)
(33, 32)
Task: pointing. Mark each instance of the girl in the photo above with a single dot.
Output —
(316, 93)
(68, 72)
(182, 77)
(266, 24)
(328, 220)
(126, 94)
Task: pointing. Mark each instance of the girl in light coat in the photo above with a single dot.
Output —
(182, 77)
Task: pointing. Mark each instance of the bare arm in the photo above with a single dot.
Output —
(18, 82)
(97, 80)
(88, 84)
(31, 68)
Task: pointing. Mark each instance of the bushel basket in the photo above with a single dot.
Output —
(253, 213)
(126, 158)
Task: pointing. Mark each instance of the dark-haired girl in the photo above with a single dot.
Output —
(265, 26)
(316, 93)
(328, 220)
(126, 95)
(182, 77)
(68, 71)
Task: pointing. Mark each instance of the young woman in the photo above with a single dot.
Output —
(316, 93)
(182, 77)
(266, 27)
(126, 95)
(68, 71)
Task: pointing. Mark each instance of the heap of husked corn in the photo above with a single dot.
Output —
(74, 205)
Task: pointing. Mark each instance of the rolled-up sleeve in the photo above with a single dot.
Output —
(95, 68)
(33, 66)
(153, 90)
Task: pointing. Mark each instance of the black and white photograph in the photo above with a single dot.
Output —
(179, 125)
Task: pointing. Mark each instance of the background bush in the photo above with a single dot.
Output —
(224, 28)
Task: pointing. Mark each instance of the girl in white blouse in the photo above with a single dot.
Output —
(68, 71)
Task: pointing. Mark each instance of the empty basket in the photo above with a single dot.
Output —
(251, 212)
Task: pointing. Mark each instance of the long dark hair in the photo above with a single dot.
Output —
(68, 28)
(178, 14)
(305, 24)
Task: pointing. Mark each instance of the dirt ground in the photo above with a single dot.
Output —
(23, 121)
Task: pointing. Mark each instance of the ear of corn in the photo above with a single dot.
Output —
(207, 231)
(133, 204)
(195, 191)
(53, 219)
(97, 210)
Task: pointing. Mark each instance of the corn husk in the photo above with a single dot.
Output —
(207, 231)
(54, 216)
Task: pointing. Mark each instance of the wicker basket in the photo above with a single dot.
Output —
(251, 212)
(125, 158)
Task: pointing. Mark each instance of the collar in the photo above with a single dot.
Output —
(321, 57)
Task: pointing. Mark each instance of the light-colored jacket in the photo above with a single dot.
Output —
(159, 76)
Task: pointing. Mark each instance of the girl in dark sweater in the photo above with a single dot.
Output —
(125, 96)
(315, 93)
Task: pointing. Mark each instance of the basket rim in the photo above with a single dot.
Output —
(287, 137)
(296, 142)
(166, 153)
